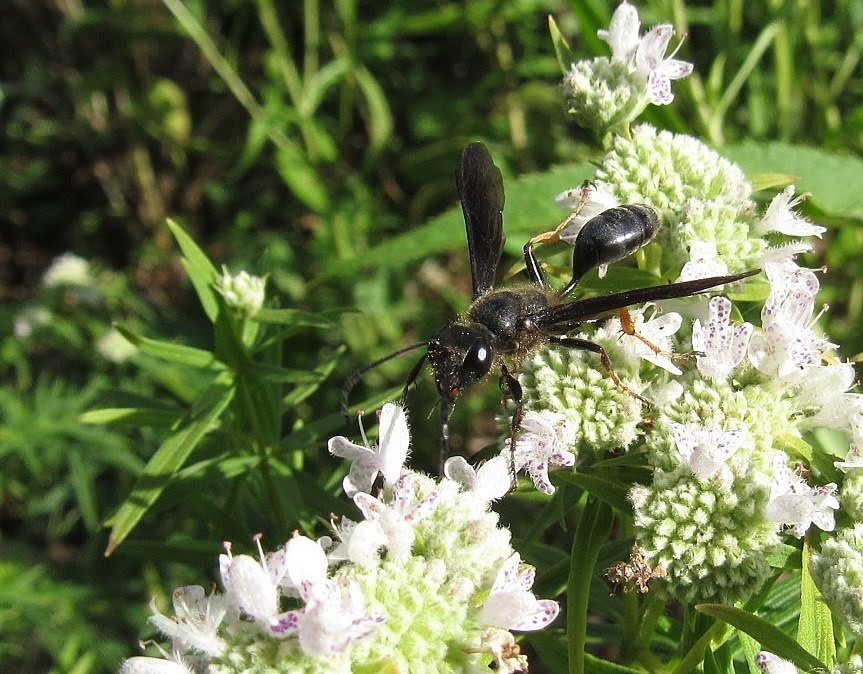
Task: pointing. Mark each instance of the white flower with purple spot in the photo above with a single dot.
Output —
(781, 217)
(386, 460)
(703, 262)
(490, 481)
(650, 59)
(773, 664)
(511, 605)
(622, 33)
(543, 446)
(788, 341)
(334, 617)
(707, 450)
(396, 519)
(795, 505)
(197, 617)
(723, 344)
(298, 561)
(657, 330)
(145, 665)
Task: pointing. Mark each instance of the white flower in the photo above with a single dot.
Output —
(254, 588)
(703, 262)
(145, 665)
(657, 330)
(723, 345)
(787, 251)
(650, 58)
(599, 199)
(387, 459)
(243, 292)
(622, 33)
(645, 56)
(300, 560)
(358, 543)
(854, 459)
(788, 341)
(489, 482)
(511, 605)
(543, 446)
(773, 664)
(505, 652)
(706, 450)
(780, 217)
(197, 617)
(114, 347)
(334, 618)
(68, 270)
(397, 518)
(795, 505)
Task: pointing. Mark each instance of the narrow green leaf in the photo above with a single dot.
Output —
(175, 353)
(769, 636)
(750, 650)
(593, 528)
(301, 177)
(133, 417)
(322, 371)
(594, 665)
(170, 457)
(280, 375)
(530, 210)
(292, 317)
(565, 56)
(613, 493)
(82, 484)
(815, 628)
(202, 272)
(380, 118)
(698, 650)
(766, 181)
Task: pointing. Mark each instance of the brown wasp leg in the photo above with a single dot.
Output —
(585, 345)
(627, 326)
(511, 388)
(534, 271)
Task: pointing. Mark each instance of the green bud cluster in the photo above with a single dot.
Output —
(838, 573)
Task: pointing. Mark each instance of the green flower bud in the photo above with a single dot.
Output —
(242, 292)
(603, 93)
(838, 573)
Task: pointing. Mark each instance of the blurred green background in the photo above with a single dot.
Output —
(307, 140)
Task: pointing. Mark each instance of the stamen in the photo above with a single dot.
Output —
(257, 538)
(227, 546)
(360, 414)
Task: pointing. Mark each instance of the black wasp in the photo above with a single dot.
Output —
(503, 325)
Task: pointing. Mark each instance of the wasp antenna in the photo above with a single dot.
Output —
(355, 378)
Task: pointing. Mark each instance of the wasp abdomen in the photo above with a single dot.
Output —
(613, 235)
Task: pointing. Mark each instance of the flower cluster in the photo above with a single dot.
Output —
(607, 92)
(425, 581)
(724, 437)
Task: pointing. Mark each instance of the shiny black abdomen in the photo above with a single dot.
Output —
(503, 311)
(613, 235)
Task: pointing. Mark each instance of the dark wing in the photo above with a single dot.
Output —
(592, 308)
(480, 188)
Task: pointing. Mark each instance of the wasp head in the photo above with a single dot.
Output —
(460, 355)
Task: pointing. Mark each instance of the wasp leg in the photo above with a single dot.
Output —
(627, 326)
(412, 377)
(511, 388)
(444, 433)
(534, 271)
(585, 345)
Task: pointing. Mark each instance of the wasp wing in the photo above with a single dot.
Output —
(480, 188)
(591, 308)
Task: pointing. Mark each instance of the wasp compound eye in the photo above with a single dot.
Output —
(477, 361)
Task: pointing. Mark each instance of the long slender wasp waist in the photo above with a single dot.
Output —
(504, 325)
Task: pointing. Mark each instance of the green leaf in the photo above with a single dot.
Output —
(175, 353)
(815, 628)
(301, 177)
(766, 181)
(832, 179)
(170, 457)
(613, 493)
(293, 318)
(769, 636)
(202, 272)
(750, 650)
(133, 417)
(562, 50)
(594, 665)
(530, 210)
(593, 528)
(380, 118)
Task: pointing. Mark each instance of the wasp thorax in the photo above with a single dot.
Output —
(460, 355)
